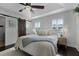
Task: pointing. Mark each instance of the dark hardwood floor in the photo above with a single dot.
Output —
(68, 51)
(2, 45)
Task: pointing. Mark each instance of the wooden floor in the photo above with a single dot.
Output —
(69, 51)
(2, 45)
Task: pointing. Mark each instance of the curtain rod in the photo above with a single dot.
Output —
(14, 17)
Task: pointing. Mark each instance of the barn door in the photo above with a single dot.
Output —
(21, 27)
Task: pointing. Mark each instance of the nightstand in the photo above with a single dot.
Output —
(62, 41)
(62, 45)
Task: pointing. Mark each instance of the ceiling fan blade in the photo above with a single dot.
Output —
(28, 4)
(22, 4)
(20, 10)
(37, 6)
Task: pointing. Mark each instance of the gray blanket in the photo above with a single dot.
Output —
(29, 40)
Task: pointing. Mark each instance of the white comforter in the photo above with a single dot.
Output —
(38, 48)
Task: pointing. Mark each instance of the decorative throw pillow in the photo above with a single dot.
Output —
(41, 33)
(51, 32)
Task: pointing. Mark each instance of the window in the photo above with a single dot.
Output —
(57, 24)
(54, 24)
(37, 25)
(60, 23)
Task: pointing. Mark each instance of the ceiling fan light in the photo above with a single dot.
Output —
(28, 12)
(28, 7)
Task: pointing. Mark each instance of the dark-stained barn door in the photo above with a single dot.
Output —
(21, 27)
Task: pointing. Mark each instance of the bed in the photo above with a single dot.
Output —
(38, 45)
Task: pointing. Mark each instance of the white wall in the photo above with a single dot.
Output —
(11, 33)
(69, 24)
(77, 30)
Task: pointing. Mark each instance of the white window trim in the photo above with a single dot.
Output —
(37, 25)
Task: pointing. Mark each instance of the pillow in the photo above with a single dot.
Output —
(41, 33)
(51, 32)
(29, 32)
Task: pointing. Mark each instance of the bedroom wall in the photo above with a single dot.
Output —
(77, 30)
(11, 32)
(69, 24)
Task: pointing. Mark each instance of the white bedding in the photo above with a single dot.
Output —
(39, 48)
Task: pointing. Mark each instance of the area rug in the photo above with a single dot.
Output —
(13, 52)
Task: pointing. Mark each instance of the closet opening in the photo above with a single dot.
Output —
(2, 33)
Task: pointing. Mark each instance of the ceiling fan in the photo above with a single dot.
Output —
(30, 6)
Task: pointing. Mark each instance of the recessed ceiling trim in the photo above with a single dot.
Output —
(49, 13)
(62, 4)
(8, 11)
